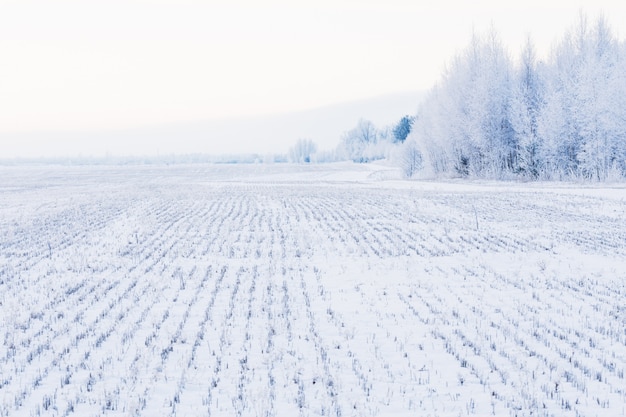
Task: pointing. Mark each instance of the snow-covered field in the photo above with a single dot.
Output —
(285, 290)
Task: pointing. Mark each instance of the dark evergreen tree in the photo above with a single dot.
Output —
(403, 128)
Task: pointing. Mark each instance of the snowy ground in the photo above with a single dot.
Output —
(285, 290)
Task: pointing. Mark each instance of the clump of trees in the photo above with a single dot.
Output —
(359, 144)
(492, 117)
(365, 142)
(303, 151)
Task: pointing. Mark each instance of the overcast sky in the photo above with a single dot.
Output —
(110, 64)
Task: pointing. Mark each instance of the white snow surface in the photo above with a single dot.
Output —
(296, 290)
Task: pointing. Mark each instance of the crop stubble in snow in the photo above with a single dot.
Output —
(283, 290)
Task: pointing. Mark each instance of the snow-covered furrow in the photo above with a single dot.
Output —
(175, 291)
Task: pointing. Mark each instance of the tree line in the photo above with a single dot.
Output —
(363, 143)
(492, 116)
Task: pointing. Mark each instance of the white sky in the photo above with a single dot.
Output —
(108, 64)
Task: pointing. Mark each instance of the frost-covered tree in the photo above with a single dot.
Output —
(524, 108)
(435, 139)
(355, 141)
(411, 160)
(302, 151)
(616, 118)
(463, 124)
(583, 119)
(601, 98)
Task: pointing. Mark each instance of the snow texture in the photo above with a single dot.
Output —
(302, 290)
